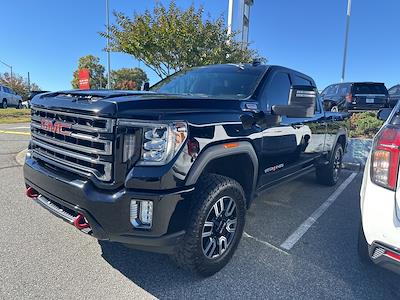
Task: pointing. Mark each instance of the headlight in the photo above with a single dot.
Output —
(160, 143)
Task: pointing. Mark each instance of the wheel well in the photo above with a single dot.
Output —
(342, 140)
(238, 167)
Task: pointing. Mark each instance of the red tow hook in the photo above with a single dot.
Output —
(32, 193)
(80, 222)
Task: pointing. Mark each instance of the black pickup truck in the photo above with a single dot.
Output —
(174, 169)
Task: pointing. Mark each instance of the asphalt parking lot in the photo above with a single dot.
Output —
(42, 257)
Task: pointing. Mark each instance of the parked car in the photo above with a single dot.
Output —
(355, 96)
(379, 235)
(173, 170)
(27, 103)
(394, 95)
(9, 98)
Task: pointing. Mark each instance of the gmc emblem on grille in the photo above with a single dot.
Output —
(55, 127)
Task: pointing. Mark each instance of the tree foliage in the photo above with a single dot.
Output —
(170, 39)
(97, 78)
(19, 84)
(128, 78)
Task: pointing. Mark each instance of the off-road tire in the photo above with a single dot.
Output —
(19, 106)
(4, 104)
(326, 173)
(189, 254)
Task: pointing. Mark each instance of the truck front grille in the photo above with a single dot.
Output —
(77, 143)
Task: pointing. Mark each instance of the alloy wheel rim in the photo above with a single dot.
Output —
(219, 229)
(337, 164)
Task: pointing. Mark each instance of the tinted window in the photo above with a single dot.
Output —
(222, 82)
(331, 90)
(343, 89)
(301, 81)
(6, 89)
(278, 90)
(395, 90)
(369, 89)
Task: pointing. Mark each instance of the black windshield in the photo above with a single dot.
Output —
(226, 81)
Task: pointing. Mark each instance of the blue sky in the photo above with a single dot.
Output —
(47, 37)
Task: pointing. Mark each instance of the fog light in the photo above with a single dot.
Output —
(141, 213)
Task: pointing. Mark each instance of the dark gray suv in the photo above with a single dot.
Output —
(355, 96)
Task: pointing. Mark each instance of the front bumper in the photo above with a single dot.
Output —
(107, 211)
(383, 256)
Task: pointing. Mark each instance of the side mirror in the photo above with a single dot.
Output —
(302, 100)
(384, 113)
(260, 119)
(146, 86)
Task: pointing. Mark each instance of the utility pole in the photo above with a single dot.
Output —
(108, 46)
(346, 39)
(8, 66)
(29, 82)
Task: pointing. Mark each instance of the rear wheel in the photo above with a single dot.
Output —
(4, 104)
(329, 174)
(19, 106)
(215, 227)
(334, 108)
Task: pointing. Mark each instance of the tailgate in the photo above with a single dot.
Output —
(368, 99)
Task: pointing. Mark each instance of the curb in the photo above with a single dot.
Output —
(20, 157)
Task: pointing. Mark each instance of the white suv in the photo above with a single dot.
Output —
(9, 98)
(379, 237)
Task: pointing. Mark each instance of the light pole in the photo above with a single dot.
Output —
(346, 39)
(108, 46)
(11, 68)
(230, 17)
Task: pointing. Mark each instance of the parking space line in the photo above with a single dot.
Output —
(303, 228)
(19, 127)
(15, 132)
(246, 235)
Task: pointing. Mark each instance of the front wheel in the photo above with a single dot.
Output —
(216, 224)
(4, 104)
(329, 174)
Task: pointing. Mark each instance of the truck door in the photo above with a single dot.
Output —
(294, 144)
(279, 143)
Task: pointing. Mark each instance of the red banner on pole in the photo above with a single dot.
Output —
(84, 79)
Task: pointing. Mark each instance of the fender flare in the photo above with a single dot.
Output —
(341, 132)
(218, 151)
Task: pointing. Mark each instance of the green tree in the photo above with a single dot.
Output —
(128, 78)
(19, 84)
(170, 39)
(97, 78)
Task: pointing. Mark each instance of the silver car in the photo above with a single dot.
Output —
(9, 98)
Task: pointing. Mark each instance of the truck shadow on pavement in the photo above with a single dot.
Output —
(324, 264)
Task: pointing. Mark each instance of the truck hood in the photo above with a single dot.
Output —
(137, 105)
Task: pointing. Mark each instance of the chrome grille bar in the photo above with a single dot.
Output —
(84, 147)
(107, 145)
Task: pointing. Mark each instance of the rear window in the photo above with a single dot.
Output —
(369, 89)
